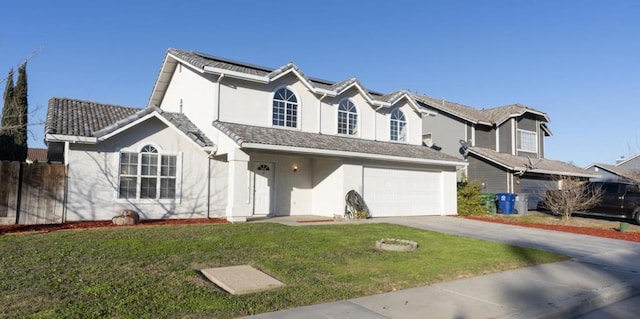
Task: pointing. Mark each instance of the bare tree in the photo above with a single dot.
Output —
(574, 195)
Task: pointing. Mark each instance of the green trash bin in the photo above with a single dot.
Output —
(489, 202)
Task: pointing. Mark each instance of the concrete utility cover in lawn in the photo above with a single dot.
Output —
(240, 280)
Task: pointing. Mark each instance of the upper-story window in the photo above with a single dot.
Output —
(285, 108)
(527, 141)
(147, 175)
(398, 126)
(347, 118)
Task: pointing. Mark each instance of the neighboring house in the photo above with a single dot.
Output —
(226, 138)
(626, 169)
(36, 155)
(631, 164)
(610, 172)
(504, 146)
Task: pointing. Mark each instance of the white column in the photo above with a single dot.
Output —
(238, 207)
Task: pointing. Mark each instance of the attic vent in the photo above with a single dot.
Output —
(427, 140)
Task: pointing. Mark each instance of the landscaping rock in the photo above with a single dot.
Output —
(126, 217)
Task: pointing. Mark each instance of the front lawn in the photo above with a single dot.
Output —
(152, 272)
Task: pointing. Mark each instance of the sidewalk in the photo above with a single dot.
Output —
(601, 272)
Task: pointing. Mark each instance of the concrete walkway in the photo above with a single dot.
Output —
(601, 273)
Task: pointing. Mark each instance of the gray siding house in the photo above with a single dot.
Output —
(626, 169)
(630, 164)
(610, 172)
(504, 146)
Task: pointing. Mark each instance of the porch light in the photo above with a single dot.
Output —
(295, 167)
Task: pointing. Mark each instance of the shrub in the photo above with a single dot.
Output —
(470, 199)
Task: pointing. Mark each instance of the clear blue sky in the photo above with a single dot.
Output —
(579, 61)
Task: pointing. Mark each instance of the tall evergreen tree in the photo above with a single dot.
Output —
(22, 108)
(8, 123)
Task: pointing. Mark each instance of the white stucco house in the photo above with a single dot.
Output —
(221, 138)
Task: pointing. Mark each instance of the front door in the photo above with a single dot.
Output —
(262, 174)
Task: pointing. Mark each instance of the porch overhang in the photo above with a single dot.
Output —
(337, 153)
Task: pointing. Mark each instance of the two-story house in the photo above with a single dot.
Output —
(504, 146)
(225, 138)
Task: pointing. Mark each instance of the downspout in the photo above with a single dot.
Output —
(320, 113)
(66, 181)
(209, 158)
(218, 97)
(375, 123)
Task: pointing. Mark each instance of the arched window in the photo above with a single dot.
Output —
(347, 118)
(147, 174)
(398, 126)
(285, 108)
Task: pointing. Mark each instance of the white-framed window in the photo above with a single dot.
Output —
(527, 141)
(398, 126)
(148, 174)
(285, 108)
(347, 118)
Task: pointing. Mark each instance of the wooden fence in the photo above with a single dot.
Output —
(32, 193)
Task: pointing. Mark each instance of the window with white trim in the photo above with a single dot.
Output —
(527, 141)
(285, 108)
(398, 126)
(147, 174)
(347, 118)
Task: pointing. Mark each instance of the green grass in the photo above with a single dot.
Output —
(152, 272)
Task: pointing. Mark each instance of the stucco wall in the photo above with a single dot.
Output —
(251, 103)
(328, 189)
(93, 177)
(292, 190)
(196, 92)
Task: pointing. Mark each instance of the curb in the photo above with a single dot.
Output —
(583, 303)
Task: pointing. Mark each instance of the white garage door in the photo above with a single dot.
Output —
(402, 192)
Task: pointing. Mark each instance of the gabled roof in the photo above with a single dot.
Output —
(257, 137)
(84, 121)
(464, 112)
(533, 165)
(627, 160)
(493, 116)
(619, 171)
(206, 63)
(81, 118)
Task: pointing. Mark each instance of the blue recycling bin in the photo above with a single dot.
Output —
(506, 203)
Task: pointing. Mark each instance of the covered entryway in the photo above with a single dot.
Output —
(402, 192)
(262, 174)
(535, 188)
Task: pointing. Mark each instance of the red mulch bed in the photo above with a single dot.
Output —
(13, 229)
(607, 233)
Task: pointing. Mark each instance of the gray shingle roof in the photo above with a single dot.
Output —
(81, 118)
(616, 170)
(540, 165)
(202, 60)
(492, 116)
(89, 119)
(243, 134)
